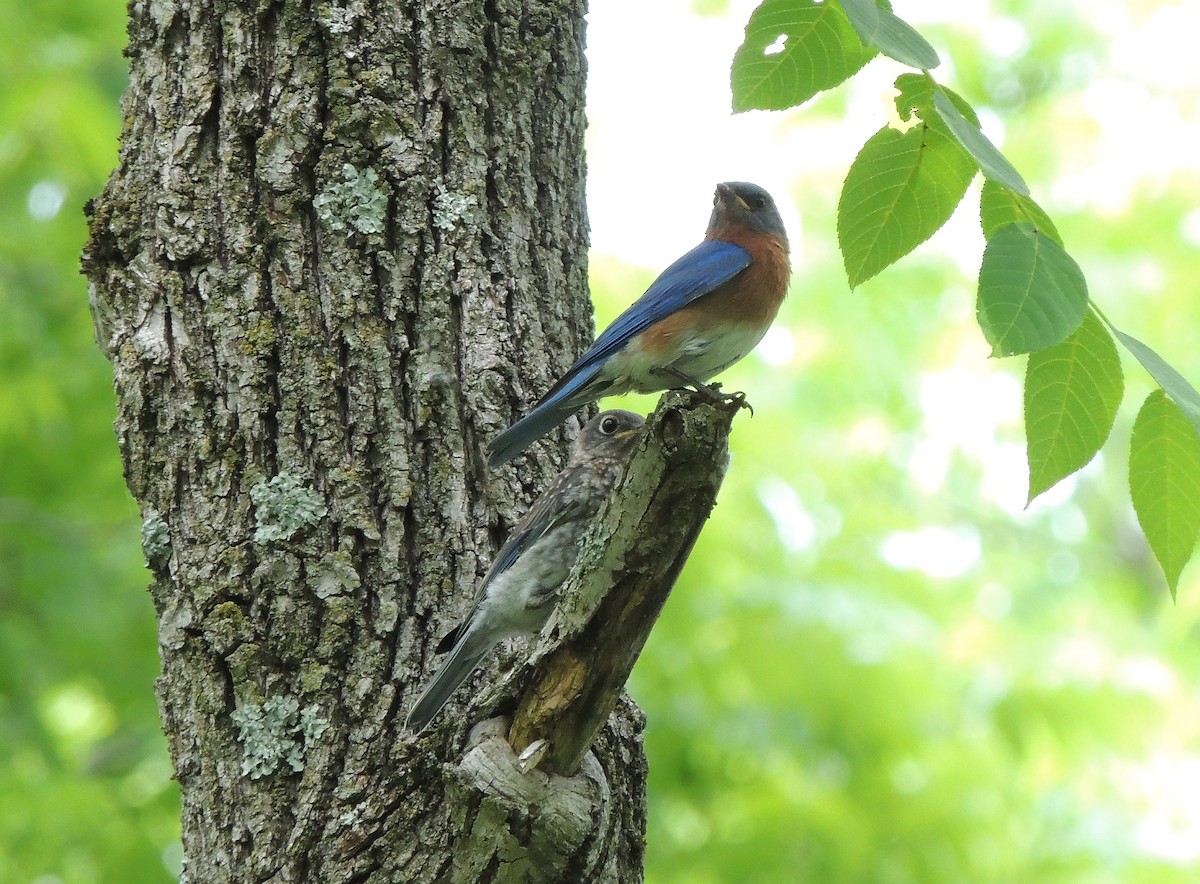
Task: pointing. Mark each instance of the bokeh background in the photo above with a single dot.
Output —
(879, 665)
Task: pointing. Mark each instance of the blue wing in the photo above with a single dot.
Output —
(697, 273)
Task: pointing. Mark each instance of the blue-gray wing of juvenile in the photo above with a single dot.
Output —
(547, 512)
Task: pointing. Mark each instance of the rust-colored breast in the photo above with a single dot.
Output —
(751, 298)
(754, 295)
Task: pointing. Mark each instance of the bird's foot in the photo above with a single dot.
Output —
(738, 398)
(712, 391)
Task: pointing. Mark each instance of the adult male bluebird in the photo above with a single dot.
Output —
(703, 313)
(520, 589)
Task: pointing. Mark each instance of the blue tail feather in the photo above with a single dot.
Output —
(453, 671)
(573, 392)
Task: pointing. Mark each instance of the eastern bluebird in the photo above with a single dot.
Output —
(704, 313)
(520, 589)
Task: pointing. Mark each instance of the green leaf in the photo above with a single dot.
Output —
(994, 164)
(1164, 482)
(1072, 391)
(1176, 385)
(914, 92)
(819, 50)
(901, 188)
(1032, 294)
(1000, 205)
(878, 26)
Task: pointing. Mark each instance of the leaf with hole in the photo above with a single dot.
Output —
(914, 94)
(1164, 482)
(1031, 294)
(1072, 391)
(792, 50)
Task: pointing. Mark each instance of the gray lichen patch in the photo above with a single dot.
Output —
(283, 506)
(312, 725)
(268, 735)
(277, 730)
(156, 539)
(333, 575)
(452, 209)
(356, 201)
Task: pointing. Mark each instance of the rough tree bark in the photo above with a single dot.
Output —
(345, 245)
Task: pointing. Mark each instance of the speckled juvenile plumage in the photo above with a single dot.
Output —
(521, 587)
(703, 313)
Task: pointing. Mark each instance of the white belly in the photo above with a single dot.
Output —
(700, 356)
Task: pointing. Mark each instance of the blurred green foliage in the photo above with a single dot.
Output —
(877, 667)
(906, 182)
(84, 773)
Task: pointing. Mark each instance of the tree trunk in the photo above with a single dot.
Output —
(344, 246)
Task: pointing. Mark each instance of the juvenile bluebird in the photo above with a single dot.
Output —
(520, 589)
(704, 313)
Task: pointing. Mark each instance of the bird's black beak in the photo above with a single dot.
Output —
(729, 199)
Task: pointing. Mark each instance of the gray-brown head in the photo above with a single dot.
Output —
(610, 434)
(742, 205)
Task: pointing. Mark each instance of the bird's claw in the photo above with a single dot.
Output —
(739, 399)
(713, 392)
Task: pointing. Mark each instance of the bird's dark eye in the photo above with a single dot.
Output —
(609, 425)
(756, 202)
